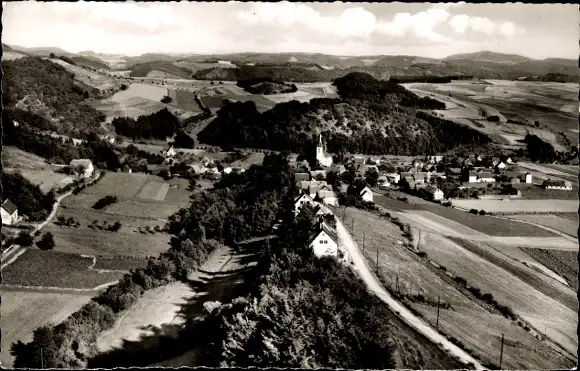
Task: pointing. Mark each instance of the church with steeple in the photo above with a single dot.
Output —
(323, 158)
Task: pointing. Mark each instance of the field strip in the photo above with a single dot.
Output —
(564, 235)
(47, 289)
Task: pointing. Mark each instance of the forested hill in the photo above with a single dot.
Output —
(372, 116)
(49, 91)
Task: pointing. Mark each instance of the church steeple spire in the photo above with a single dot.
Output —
(320, 140)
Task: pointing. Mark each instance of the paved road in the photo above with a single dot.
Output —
(362, 268)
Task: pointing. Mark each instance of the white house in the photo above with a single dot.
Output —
(528, 178)
(366, 194)
(87, 166)
(501, 165)
(485, 177)
(9, 212)
(198, 168)
(435, 159)
(227, 170)
(383, 182)
(324, 242)
(393, 177)
(323, 158)
(509, 161)
(169, 152)
(304, 198)
(435, 193)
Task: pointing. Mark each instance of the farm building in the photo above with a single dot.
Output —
(326, 195)
(393, 177)
(366, 194)
(557, 184)
(323, 158)
(528, 178)
(433, 193)
(383, 182)
(375, 160)
(9, 212)
(485, 177)
(324, 241)
(501, 165)
(304, 198)
(170, 152)
(86, 165)
(318, 174)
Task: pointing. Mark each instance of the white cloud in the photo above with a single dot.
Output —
(460, 23)
(508, 29)
(421, 24)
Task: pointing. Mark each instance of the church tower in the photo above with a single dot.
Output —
(321, 155)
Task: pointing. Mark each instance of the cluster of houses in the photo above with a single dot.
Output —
(205, 166)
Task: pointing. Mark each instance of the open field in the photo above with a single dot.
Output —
(154, 191)
(23, 312)
(33, 168)
(124, 263)
(552, 104)
(558, 223)
(253, 159)
(466, 320)
(482, 223)
(55, 269)
(519, 206)
(543, 313)
(137, 100)
(566, 169)
(184, 100)
(565, 263)
(537, 192)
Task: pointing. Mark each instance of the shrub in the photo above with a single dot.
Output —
(473, 211)
(460, 281)
(104, 202)
(24, 239)
(46, 242)
(422, 254)
(481, 212)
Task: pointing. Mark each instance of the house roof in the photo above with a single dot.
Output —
(429, 188)
(301, 176)
(485, 174)
(303, 194)
(324, 227)
(472, 173)
(365, 190)
(9, 206)
(559, 183)
(326, 194)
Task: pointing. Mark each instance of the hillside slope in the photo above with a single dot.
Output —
(372, 117)
(143, 69)
(90, 62)
(48, 90)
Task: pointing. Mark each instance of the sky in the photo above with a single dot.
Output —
(420, 29)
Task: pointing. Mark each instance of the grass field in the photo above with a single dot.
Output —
(137, 100)
(37, 268)
(565, 263)
(539, 193)
(23, 312)
(519, 206)
(94, 79)
(154, 191)
(33, 168)
(544, 313)
(568, 226)
(481, 223)
(119, 263)
(466, 320)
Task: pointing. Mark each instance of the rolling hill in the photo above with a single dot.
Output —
(90, 62)
(167, 68)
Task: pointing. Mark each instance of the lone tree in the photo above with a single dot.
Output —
(24, 239)
(46, 242)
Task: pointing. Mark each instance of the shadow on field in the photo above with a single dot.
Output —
(173, 340)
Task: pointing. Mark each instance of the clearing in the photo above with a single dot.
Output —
(23, 312)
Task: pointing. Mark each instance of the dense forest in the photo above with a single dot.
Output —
(29, 139)
(266, 86)
(539, 150)
(158, 125)
(26, 196)
(49, 90)
(373, 117)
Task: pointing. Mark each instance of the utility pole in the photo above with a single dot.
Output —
(364, 243)
(377, 261)
(438, 306)
(41, 359)
(501, 352)
(398, 273)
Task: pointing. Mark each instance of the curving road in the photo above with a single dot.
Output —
(361, 267)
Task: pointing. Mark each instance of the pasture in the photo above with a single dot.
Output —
(482, 223)
(184, 100)
(564, 263)
(568, 226)
(519, 206)
(144, 201)
(33, 168)
(86, 76)
(544, 313)
(465, 320)
(23, 312)
(137, 100)
(55, 269)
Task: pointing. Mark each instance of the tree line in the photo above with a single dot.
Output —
(29, 199)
